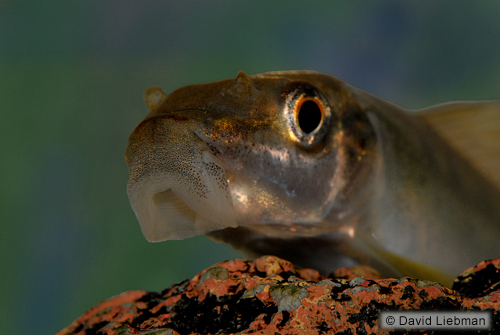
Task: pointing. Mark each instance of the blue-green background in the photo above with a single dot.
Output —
(72, 74)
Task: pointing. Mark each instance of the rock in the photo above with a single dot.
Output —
(270, 296)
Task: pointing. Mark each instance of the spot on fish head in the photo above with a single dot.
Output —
(154, 97)
(241, 88)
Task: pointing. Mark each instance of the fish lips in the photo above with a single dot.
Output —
(177, 187)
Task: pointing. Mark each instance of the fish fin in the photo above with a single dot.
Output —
(471, 128)
(371, 253)
(414, 269)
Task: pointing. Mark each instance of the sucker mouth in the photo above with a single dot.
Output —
(185, 196)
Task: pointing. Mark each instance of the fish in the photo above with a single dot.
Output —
(304, 166)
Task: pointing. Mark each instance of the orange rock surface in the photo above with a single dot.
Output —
(270, 296)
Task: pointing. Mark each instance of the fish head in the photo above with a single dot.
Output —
(278, 153)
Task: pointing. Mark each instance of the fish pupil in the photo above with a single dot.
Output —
(309, 116)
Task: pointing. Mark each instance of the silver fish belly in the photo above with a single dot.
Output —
(304, 166)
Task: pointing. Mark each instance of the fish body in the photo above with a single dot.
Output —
(304, 166)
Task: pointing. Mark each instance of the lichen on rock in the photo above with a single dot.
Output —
(270, 296)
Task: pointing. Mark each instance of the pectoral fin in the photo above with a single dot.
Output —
(368, 252)
(414, 269)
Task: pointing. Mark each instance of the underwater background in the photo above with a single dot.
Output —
(72, 75)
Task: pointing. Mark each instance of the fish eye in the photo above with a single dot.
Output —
(308, 116)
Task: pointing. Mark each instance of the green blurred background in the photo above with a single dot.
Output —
(72, 74)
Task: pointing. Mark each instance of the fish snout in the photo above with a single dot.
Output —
(177, 187)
